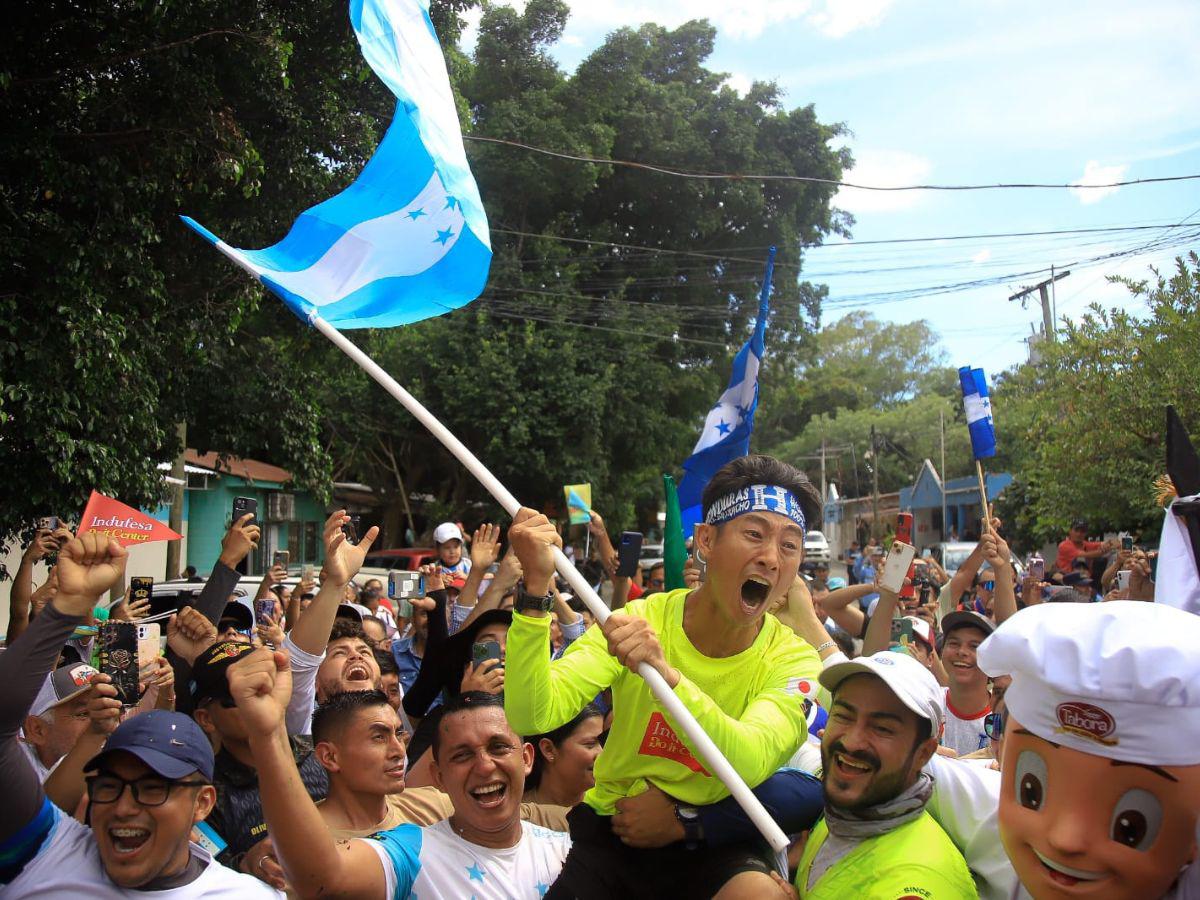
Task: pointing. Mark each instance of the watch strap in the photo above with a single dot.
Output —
(527, 601)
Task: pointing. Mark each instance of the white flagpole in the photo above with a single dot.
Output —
(709, 752)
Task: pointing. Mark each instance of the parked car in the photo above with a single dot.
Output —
(816, 547)
(954, 553)
(650, 556)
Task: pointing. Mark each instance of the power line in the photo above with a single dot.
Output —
(810, 179)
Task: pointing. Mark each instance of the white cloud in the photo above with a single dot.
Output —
(886, 168)
(1094, 173)
(982, 256)
(739, 82)
(840, 17)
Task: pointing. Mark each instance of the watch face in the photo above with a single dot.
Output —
(689, 813)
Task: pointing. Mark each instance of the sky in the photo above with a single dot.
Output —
(982, 92)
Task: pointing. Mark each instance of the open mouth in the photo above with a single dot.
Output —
(1065, 875)
(754, 594)
(489, 796)
(849, 768)
(128, 841)
(396, 772)
(358, 672)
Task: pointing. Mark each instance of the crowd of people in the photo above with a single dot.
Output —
(980, 732)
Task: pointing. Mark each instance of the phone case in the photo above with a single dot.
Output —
(406, 585)
(281, 558)
(118, 652)
(243, 505)
(482, 652)
(140, 588)
(149, 639)
(896, 567)
(628, 553)
(263, 609)
(904, 526)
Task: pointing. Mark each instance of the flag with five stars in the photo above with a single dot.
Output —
(726, 433)
(409, 238)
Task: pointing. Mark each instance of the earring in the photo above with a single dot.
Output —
(700, 557)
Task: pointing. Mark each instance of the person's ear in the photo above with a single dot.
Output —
(527, 755)
(327, 756)
(35, 730)
(435, 772)
(204, 720)
(547, 747)
(924, 753)
(706, 536)
(206, 799)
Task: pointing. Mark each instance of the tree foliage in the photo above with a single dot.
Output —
(581, 362)
(1083, 428)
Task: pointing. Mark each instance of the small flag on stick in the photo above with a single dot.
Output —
(978, 407)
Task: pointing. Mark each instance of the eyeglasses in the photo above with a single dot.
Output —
(993, 725)
(657, 582)
(149, 790)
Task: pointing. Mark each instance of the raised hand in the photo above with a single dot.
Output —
(103, 707)
(261, 685)
(239, 540)
(343, 557)
(189, 633)
(433, 580)
(533, 538)
(43, 544)
(87, 567)
(487, 677)
(485, 546)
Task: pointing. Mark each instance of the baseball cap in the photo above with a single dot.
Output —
(240, 615)
(61, 685)
(910, 681)
(966, 618)
(921, 630)
(836, 583)
(1079, 524)
(352, 611)
(447, 531)
(209, 678)
(170, 743)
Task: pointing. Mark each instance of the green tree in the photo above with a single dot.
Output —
(1083, 427)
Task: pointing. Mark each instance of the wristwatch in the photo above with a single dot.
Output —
(689, 818)
(527, 601)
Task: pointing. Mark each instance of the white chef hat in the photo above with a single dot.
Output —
(1119, 680)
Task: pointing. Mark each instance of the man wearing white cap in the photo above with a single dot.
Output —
(58, 716)
(876, 838)
(1100, 792)
(448, 538)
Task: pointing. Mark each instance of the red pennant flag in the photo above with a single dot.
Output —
(126, 524)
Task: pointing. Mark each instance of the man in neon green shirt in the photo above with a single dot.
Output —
(737, 670)
(877, 841)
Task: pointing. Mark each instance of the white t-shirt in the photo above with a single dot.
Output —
(34, 760)
(300, 708)
(68, 865)
(964, 735)
(434, 863)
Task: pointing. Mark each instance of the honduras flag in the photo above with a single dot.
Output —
(409, 238)
(727, 429)
(979, 411)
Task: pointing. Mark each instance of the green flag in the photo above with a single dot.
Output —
(674, 552)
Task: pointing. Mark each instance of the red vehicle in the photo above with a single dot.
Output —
(406, 559)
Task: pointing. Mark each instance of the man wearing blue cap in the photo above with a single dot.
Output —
(148, 787)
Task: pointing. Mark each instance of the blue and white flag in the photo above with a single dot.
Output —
(979, 411)
(727, 428)
(409, 238)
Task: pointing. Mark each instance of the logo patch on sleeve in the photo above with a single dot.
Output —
(660, 740)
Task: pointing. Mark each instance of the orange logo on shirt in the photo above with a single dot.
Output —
(660, 740)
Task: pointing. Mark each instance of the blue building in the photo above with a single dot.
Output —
(963, 511)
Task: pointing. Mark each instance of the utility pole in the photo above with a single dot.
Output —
(824, 498)
(874, 485)
(175, 518)
(1043, 291)
(942, 426)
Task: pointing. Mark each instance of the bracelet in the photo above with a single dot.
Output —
(827, 645)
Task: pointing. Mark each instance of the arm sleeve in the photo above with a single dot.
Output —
(215, 593)
(794, 799)
(434, 664)
(573, 631)
(458, 615)
(540, 694)
(304, 688)
(965, 803)
(23, 668)
(772, 725)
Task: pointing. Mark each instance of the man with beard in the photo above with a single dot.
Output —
(737, 669)
(876, 839)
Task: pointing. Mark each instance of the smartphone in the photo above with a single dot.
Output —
(899, 561)
(308, 573)
(406, 586)
(264, 608)
(243, 505)
(1127, 542)
(482, 651)
(628, 552)
(904, 527)
(48, 523)
(351, 528)
(1123, 580)
(1037, 568)
(902, 632)
(149, 643)
(1152, 558)
(281, 558)
(117, 643)
(140, 588)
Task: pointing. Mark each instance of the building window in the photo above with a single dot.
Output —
(197, 481)
(310, 542)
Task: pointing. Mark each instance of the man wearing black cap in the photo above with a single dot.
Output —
(237, 817)
(148, 788)
(967, 699)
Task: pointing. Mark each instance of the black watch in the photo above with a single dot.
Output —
(689, 818)
(526, 601)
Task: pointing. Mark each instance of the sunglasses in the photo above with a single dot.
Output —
(988, 585)
(993, 725)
